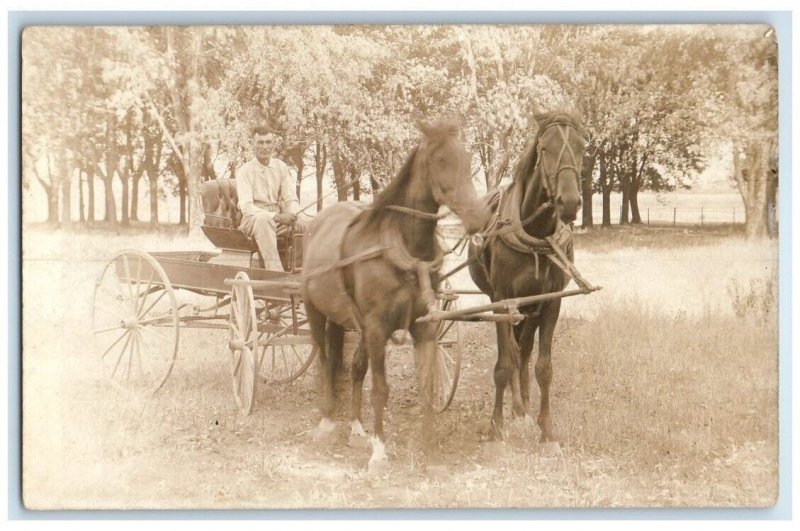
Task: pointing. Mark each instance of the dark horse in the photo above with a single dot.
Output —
(373, 270)
(542, 201)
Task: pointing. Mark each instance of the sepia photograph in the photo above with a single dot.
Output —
(366, 266)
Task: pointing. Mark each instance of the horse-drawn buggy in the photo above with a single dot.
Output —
(370, 270)
(139, 316)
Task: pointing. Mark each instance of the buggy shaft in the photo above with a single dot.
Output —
(509, 305)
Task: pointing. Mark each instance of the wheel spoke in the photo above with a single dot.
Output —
(132, 300)
(102, 330)
(445, 369)
(114, 343)
(449, 357)
(140, 343)
(161, 296)
(296, 355)
(445, 329)
(121, 353)
(134, 347)
(146, 293)
(285, 361)
(157, 337)
(138, 282)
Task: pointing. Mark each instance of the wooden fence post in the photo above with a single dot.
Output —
(648, 215)
(674, 215)
(701, 216)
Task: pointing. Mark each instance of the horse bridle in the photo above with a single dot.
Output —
(551, 187)
(437, 195)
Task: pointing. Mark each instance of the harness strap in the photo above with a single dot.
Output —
(375, 251)
(417, 213)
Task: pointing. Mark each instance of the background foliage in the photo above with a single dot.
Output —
(116, 108)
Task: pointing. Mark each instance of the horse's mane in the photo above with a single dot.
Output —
(527, 163)
(396, 188)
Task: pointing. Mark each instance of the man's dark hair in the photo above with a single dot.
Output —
(262, 130)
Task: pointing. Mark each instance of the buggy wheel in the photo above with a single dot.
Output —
(285, 357)
(242, 343)
(449, 345)
(135, 322)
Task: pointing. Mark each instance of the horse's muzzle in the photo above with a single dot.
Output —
(568, 210)
(476, 218)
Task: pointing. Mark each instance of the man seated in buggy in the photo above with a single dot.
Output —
(262, 204)
(267, 198)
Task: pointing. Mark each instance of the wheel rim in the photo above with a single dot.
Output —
(135, 322)
(285, 357)
(242, 344)
(449, 345)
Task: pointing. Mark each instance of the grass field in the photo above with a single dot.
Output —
(664, 394)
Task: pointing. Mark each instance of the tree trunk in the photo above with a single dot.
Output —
(127, 170)
(636, 216)
(65, 171)
(81, 204)
(90, 181)
(134, 214)
(150, 165)
(772, 200)
(605, 188)
(753, 174)
(51, 189)
(111, 167)
(52, 207)
(624, 210)
(321, 161)
(356, 181)
(339, 176)
(586, 190)
(123, 176)
(298, 184)
(636, 185)
(182, 196)
(624, 179)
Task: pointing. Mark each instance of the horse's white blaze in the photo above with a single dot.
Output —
(356, 429)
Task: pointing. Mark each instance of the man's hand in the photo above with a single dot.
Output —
(299, 224)
(285, 218)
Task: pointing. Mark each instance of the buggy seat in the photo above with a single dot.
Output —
(220, 203)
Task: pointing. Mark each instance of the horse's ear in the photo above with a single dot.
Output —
(425, 126)
(454, 127)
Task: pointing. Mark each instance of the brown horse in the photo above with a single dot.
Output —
(372, 270)
(542, 201)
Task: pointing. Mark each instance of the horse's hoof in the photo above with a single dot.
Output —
(378, 467)
(550, 449)
(498, 432)
(324, 432)
(358, 441)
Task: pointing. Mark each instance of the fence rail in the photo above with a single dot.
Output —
(667, 215)
(672, 215)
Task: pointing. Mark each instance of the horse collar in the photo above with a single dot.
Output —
(397, 253)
